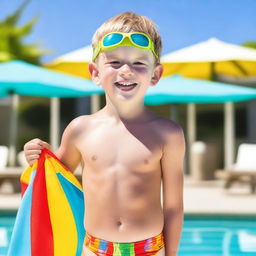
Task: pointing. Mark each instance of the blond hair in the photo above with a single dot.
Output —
(130, 22)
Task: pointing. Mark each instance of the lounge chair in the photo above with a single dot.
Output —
(244, 170)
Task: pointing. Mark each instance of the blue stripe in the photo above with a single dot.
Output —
(76, 200)
(20, 243)
(103, 245)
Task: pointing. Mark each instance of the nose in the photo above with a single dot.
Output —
(126, 71)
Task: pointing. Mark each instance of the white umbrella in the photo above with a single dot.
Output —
(204, 60)
(212, 56)
(74, 62)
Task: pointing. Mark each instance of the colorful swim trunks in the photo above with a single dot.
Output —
(145, 247)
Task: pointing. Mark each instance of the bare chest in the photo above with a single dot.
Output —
(138, 150)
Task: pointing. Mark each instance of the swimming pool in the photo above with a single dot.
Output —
(202, 235)
(218, 235)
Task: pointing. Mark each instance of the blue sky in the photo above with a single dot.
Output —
(66, 25)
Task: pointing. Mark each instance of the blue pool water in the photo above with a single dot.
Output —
(218, 236)
(201, 236)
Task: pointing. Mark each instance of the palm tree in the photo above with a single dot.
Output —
(12, 46)
(11, 39)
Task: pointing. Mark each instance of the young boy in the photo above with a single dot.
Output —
(125, 149)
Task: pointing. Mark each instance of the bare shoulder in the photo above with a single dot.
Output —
(168, 127)
(171, 132)
(79, 121)
(78, 125)
(81, 125)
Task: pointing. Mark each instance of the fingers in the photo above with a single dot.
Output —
(36, 144)
(33, 149)
(32, 158)
(45, 145)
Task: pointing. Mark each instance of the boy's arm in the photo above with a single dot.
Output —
(172, 171)
(68, 152)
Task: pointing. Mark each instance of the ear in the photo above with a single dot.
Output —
(158, 71)
(94, 71)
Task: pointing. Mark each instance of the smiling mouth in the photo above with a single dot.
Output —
(125, 85)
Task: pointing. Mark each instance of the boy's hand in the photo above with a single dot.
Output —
(33, 149)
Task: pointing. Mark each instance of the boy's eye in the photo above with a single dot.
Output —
(114, 62)
(138, 63)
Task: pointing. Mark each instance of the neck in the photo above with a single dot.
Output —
(127, 113)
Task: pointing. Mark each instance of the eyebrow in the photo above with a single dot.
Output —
(144, 57)
(111, 55)
(139, 57)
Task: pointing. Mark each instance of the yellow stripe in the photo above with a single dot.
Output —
(65, 236)
(132, 253)
(67, 174)
(25, 176)
(117, 251)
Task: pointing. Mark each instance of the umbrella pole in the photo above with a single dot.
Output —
(174, 112)
(191, 133)
(229, 134)
(54, 123)
(13, 129)
(95, 103)
(229, 126)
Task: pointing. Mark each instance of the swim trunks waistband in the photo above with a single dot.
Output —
(145, 247)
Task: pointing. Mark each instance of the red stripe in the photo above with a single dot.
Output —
(139, 248)
(24, 187)
(45, 151)
(41, 229)
(110, 249)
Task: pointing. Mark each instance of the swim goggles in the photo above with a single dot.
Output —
(113, 40)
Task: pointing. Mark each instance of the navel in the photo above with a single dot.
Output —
(119, 223)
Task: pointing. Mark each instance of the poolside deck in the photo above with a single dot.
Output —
(200, 197)
(209, 197)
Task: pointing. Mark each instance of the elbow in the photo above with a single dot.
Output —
(169, 212)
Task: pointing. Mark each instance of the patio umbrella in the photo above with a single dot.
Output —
(177, 89)
(207, 58)
(21, 78)
(76, 63)
(204, 60)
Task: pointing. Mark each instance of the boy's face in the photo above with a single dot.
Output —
(124, 66)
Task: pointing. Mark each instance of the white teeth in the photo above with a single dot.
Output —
(125, 84)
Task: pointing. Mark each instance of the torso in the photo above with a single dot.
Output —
(122, 179)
